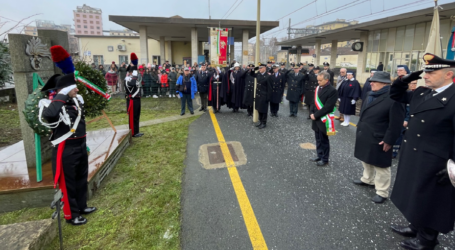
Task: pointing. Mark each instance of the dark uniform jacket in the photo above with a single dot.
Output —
(131, 88)
(248, 96)
(381, 120)
(328, 96)
(263, 91)
(427, 146)
(278, 83)
(310, 87)
(203, 80)
(296, 86)
(332, 75)
(51, 114)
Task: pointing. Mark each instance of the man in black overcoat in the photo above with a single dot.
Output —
(296, 88)
(327, 68)
(422, 189)
(237, 87)
(328, 96)
(367, 86)
(379, 126)
(202, 78)
(278, 83)
(310, 86)
(248, 96)
(263, 94)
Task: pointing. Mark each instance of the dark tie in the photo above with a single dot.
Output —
(430, 94)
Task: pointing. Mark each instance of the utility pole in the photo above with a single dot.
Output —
(210, 17)
(289, 38)
(256, 60)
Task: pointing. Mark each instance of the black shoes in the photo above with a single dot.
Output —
(321, 163)
(361, 183)
(292, 115)
(182, 114)
(415, 244)
(77, 221)
(378, 199)
(192, 112)
(88, 210)
(259, 124)
(405, 231)
(249, 114)
(201, 109)
(262, 126)
(316, 159)
(138, 135)
(274, 115)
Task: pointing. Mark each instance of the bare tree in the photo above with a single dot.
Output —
(19, 26)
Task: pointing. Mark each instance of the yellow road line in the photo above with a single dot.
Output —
(252, 226)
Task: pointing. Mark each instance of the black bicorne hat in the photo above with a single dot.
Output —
(51, 83)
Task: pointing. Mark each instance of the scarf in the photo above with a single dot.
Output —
(375, 94)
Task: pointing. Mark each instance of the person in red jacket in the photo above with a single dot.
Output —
(164, 83)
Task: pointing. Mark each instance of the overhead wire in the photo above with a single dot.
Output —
(234, 9)
(295, 11)
(229, 9)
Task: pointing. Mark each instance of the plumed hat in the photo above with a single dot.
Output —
(62, 59)
(133, 59)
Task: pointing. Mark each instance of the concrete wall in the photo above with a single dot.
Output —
(99, 46)
(180, 50)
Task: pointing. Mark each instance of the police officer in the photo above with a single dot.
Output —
(310, 86)
(133, 101)
(269, 67)
(71, 170)
(296, 88)
(422, 190)
(263, 94)
(248, 96)
(202, 78)
(327, 68)
(277, 90)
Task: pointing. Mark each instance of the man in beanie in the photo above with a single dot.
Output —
(378, 128)
(422, 190)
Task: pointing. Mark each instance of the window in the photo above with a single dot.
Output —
(85, 26)
(78, 15)
(96, 17)
(84, 15)
(91, 27)
(78, 26)
(85, 32)
(78, 21)
(122, 59)
(98, 33)
(97, 27)
(110, 48)
(91, 32)
(98, 60)
(97, 22)
(91, 16)
(91, 22)
(85, 21)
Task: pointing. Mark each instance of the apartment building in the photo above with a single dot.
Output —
(88, 21)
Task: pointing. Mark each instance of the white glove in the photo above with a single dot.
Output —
(217, 76)
(352, 101)
(66, 90)
(44, 102)
(339, 99)
(80, 98)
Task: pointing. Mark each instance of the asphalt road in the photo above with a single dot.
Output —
(297, 204)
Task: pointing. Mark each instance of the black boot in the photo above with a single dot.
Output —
(260, 123)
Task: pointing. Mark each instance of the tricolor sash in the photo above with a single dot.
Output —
(327, 119)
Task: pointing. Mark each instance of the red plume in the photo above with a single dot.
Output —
(58, 53)
(133, 56)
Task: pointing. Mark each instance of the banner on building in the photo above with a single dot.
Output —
(218, 46)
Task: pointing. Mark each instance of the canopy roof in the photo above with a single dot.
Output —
(177, 28)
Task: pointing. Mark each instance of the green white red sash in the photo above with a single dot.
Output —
(329, 119)
(91, 86)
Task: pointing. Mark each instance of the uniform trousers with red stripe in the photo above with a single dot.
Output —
(75, 172)
(136, 114)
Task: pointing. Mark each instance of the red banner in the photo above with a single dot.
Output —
(223, 47)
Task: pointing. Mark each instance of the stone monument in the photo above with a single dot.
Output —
(30, 55)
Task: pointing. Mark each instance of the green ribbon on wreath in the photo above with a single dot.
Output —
(39, 171)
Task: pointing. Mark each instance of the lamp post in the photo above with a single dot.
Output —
(256, 60)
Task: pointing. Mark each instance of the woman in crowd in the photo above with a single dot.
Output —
(159, 74)
(147, 79)
(112, 78)
(164, 83)
(101, 69)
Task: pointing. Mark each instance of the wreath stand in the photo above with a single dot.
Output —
(104, 115)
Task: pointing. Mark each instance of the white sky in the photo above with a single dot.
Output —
(315, 12)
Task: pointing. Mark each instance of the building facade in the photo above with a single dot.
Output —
(125, 32)
(88, 21)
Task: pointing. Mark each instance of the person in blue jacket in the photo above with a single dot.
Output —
(186, 88)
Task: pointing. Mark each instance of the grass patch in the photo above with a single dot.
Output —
(140, 200)
(151, 108)
(10, 131)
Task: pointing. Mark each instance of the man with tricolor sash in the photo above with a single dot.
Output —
(322, 113)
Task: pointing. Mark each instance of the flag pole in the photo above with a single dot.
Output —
(256, 59)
